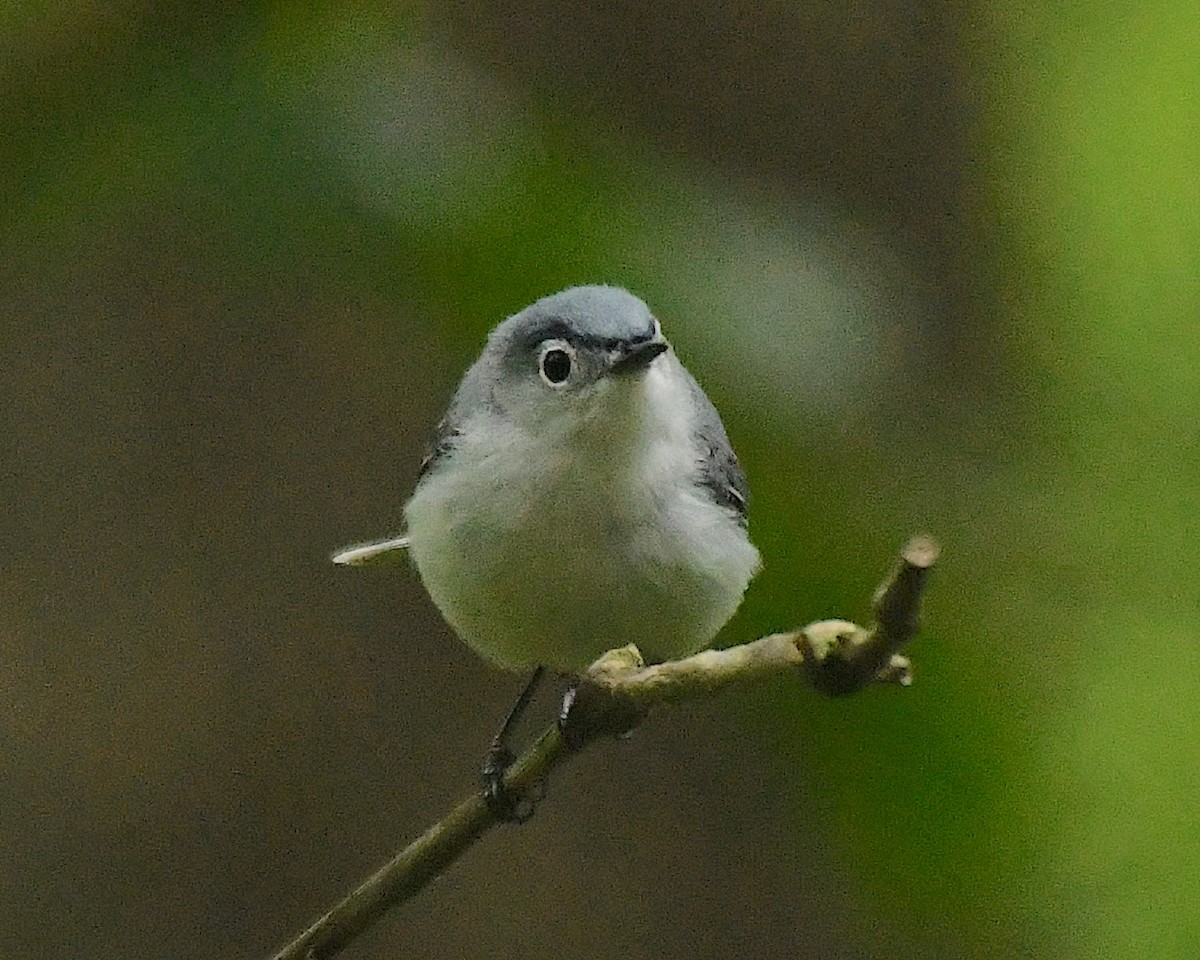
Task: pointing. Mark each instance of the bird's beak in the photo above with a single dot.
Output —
(636, 356)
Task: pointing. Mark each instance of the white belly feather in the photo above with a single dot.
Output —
(551, 553)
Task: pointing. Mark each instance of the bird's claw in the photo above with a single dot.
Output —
(505, 804)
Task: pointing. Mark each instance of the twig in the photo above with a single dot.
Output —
(834, 656)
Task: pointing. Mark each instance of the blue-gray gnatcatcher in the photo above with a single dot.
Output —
(580, 494)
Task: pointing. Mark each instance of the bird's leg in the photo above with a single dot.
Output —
(499, 758)
(568, 718)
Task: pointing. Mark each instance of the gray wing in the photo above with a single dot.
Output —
(440, 444)
(473, 394)
(719, 468)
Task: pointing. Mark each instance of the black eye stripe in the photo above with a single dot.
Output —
(556, 328)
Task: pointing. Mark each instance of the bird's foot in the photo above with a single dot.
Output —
(505, 804)
(590, 711)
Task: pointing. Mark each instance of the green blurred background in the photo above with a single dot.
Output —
(939, 267)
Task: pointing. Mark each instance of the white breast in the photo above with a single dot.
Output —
(551, 550)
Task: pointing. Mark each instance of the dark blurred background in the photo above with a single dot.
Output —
(936, 264)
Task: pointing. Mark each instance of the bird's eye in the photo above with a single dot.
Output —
(556, 366)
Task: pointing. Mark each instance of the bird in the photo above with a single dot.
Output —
(580, 494)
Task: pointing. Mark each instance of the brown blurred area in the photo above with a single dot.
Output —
(211, 733)
(867, 105)
(867, 101)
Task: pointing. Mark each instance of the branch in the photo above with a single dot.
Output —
(834, 656)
